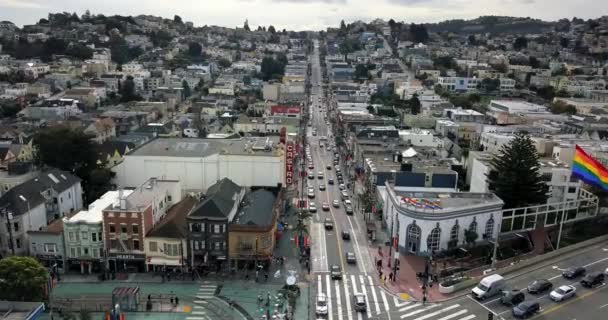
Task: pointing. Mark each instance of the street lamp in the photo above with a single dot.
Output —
(29, 214)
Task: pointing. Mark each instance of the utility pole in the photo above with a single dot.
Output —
(9, 217)
(427, 279)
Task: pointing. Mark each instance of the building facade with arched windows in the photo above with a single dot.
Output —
(432, 221)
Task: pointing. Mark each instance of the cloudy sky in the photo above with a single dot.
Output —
(305, 14)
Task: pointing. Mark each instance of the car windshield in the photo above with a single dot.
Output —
(482, 287)
(360, 299)
(321, 303)
(560, 291)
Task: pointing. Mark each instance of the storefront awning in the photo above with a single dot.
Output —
(164, 262)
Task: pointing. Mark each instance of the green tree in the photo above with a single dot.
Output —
(22, 279)
(271, 29)
(53, 144)
(273, 68)
(418, 33)
(127, 91)
(9, 108)
(361, 72)
(194, 49)
(490, 85)
(470, 236)
(520, 43)
(546, 92)
(177, 19)
(514, 174)
(414, 104)
(246, 26)
(224, 63)
(533, 62)
(560, 106)
(187, 92)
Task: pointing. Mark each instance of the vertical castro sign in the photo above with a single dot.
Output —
(289, 156)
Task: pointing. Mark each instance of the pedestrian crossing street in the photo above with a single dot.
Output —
(199, 309)
(380, 304)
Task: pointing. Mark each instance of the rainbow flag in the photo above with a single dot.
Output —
(589, 170)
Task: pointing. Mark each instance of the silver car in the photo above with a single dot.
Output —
(562, 293)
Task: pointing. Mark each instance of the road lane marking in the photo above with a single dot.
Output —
(361, 258)
(561, 305)
(329, 304)
(454, 315)
(347, 298)
(373, 290)
(414, 305)
(585, 266)
(469, 317)
(413, 313)
(426, 316)
(604, 306)
(481, 304)
(399, 304)
(364, 291)
(384, 301)
(490, 301)
(338, 300)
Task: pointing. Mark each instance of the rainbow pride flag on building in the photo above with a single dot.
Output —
(589, 170)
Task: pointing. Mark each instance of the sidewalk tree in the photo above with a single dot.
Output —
(514, 174)
(22, 279)
(187, 92)
(470, 236)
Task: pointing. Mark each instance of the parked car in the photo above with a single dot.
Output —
(336, 272)
(350, 258)
(321, 305)
(512, 297)
(593, 279)
(540, 286)
(347, 203)
(342, 186)
(345, 235)
(359, 302)
(526, 309)
(336, 204)
(562, 293)
(574, 272)
(328, 167)
(329, 225)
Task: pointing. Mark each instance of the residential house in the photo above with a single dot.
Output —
(34, 204)
(125, 225)
(48, 247)
(83, 234)
(88, 96)
(111, 152)
(101, 129)
(6, 156)
(166, 245)
(208, 225)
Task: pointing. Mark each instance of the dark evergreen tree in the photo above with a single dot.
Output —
(514, 174)
(246, 26)
(414, 104)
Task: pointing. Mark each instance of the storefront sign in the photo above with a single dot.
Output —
(289, 156)
(122, 256)
(48, 257)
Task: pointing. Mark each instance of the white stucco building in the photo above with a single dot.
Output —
(431, 221)
(199, 163)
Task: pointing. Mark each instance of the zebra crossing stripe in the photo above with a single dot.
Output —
(204, 296)
(199, 312)
(330, 315)
(367, 310)
(349, 310)
(338, 302)
(408, 307)
(426, 316)
(200, 301)
(354, 282)
(373, 290)
(384, 301)
(454, 315)
(469, 317)
(196, 318)
(400, 304)
(413, 313)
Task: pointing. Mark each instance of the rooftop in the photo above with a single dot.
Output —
(257, 209)
(145, 194)
(188, 147)
(444, 202)
(93, 213)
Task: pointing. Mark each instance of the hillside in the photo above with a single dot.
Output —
(492, 24)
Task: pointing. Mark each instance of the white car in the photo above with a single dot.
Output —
(562, 293)
(321, 306)
(606, 272)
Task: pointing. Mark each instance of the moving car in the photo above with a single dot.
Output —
(526, 309)
(574, 272)
(322, 187)
(321, 306)
(512, 297)
(344, 194)
(325, 206)
(320, 175)
(330, 181)
(562, 293)
(345, 235)
(540, 286)
(336, 204)
(350, 258)
(349, 211)
(312, 207)
(593, 279)
(311, 175)
(328, 167)
(336, 272)
(359, 302)
(311, 193)
(347, 203)
(311, 166)
(329, 225)
(489, 287)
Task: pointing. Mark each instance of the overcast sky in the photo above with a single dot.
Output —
(305, 14)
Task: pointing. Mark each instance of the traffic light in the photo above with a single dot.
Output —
(490, 316)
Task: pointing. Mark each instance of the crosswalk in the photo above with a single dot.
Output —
(199, 310)
(380, 304)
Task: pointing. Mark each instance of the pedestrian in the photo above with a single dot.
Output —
(176, 301)
(256, 275)
(149, 296)
(266, 276)
(171, 300)
(380, 274)
(390, 277)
